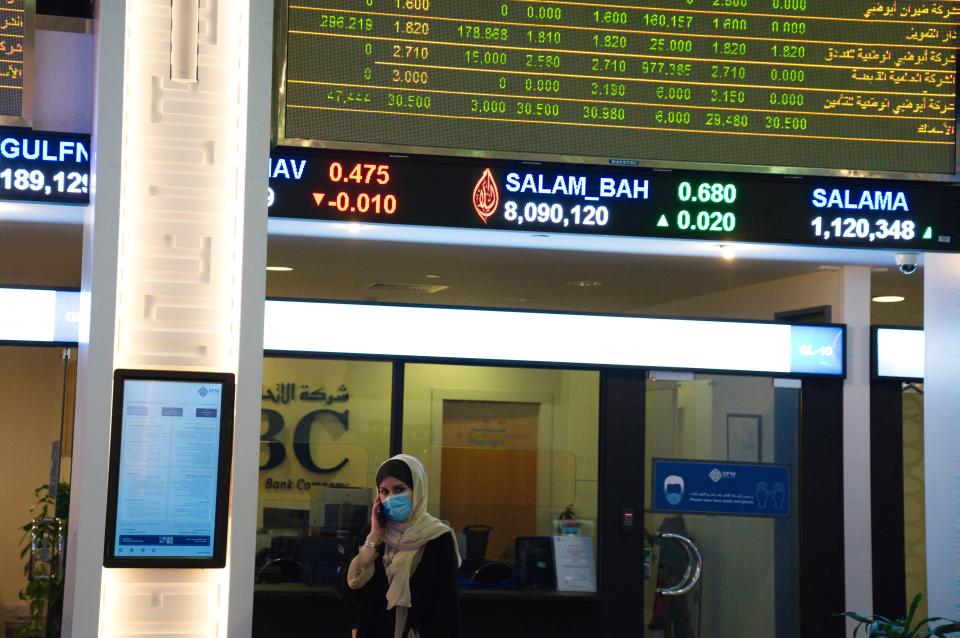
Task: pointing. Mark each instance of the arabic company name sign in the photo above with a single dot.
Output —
(733, 489)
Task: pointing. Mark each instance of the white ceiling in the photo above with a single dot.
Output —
(332, 262)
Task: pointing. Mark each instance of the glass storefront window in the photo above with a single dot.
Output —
(512, 458)
(37, 393)
(325, 429)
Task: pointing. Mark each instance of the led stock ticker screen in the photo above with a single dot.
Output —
(590, 199)
(44, 167)
(820, 84)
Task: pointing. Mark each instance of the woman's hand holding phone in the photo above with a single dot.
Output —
(368, 551)
(378, 523)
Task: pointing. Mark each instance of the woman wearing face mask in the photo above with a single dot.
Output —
(404, 576)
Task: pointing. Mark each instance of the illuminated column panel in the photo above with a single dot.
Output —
(178, 270)
(134, 608)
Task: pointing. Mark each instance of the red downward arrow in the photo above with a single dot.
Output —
(318, 197)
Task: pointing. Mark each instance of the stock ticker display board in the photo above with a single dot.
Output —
(12, 42)
(857, 85)
(589, 199)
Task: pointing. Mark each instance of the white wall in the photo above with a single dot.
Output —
(941, 431)
(63, 95)
(761, 301)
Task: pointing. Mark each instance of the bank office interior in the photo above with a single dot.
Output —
(553, 412)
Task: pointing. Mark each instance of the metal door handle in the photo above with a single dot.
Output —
(691, 575)
(52, 548)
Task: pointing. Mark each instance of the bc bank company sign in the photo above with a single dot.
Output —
(319, 406)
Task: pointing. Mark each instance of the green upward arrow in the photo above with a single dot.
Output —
(928, 234)
(663, 223)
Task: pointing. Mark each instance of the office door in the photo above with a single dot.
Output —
(721, 453)
(489, 469)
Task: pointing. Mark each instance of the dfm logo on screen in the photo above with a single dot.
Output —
(301, 439)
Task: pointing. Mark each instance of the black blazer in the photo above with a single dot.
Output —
(434, 596)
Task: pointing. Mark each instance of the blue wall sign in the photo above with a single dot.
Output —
(707, 487)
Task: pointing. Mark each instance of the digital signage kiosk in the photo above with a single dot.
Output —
(170, 451)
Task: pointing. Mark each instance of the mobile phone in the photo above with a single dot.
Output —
(380, 515)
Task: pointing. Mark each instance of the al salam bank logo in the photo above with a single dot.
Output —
(486, 195)
(715, 475)
(202, 391)
(673, 489)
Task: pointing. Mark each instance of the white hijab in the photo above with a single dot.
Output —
(404, 542)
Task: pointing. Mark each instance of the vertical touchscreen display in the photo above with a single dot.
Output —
(167, 472)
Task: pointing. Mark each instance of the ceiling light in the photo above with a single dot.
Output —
(584, 283)
(353, 228)
(279, 268)
(888, 299)
(432, 275)
(728, 253)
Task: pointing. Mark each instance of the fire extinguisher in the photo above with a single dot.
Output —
(568, 522)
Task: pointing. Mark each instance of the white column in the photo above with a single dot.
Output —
(88, 490)
(174, 256)
(246, 448)
(941, 431)
(857, 531)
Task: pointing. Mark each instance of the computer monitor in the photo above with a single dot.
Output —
(341, 511)
(276, 518)
(534, 562)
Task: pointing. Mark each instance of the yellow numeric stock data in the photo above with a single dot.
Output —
(825, 84)
(12, 44)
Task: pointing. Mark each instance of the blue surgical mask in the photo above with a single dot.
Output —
(397, 508)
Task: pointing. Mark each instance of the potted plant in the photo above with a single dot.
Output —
(45, 596)
(881, 627)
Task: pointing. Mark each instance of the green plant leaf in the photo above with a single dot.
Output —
(45, 598)
(857, 617)
(943, 630)
(927, 621)
(914, 604)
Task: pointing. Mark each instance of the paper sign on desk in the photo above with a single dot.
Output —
(576, 568)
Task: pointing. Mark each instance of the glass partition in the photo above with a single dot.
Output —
(732, 446)
(324, 431)
(511, 455)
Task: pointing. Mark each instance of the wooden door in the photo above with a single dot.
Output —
(489, 470)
